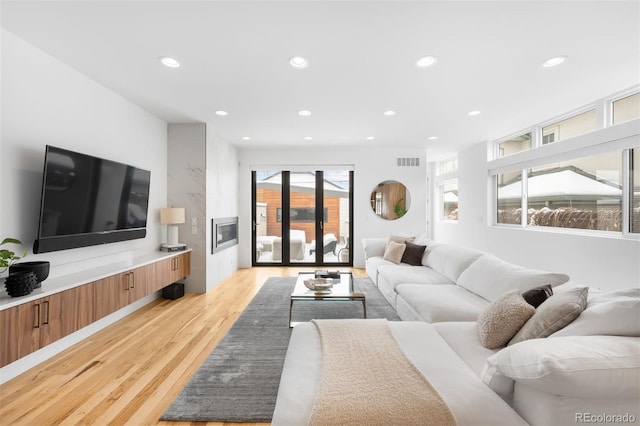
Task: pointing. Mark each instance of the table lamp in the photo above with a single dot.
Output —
(172, 217)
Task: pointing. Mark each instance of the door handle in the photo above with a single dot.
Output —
(36, 316)
(46, 313)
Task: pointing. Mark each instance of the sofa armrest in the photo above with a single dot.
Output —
(374, 247)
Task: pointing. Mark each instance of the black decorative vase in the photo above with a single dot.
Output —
(20, 283)
(39, 268)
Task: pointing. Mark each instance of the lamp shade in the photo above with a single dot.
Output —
(172, 216)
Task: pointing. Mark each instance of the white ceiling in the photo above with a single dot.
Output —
(362, 56)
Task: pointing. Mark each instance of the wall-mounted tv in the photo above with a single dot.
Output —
(88, 201)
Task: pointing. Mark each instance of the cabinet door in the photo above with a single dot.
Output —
(158, 277)
(76, 308)
(20, 331)
(135, 282)
(109, 296)
(180, 267)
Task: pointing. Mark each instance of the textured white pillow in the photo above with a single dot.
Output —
(394, 251)
(490, 277)
(502, 319)
(614, 313)
(576, 366)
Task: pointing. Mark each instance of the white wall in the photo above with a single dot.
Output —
(46, 102)
(222, 201)
(371, 166)
(600, 261)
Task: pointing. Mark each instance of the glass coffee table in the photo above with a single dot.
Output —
(342, 290)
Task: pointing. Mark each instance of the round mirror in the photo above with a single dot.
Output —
(390, 200)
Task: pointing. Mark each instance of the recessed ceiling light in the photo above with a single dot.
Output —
(246, 138)
(553, 62)
(223, 113)
(432, 138)
(304, 113)
(298, 62)
(472, 113)
(389, 113)
(308, 138)
(370, 138)
(426, 61)
(169, 62)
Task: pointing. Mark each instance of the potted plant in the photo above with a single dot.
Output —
(7, 257)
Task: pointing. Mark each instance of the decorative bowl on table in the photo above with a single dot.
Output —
(319, 284)
(39, 268)
(20, 283)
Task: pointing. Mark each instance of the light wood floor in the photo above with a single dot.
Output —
(130, 372)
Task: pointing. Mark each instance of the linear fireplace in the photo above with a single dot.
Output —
(224, 233)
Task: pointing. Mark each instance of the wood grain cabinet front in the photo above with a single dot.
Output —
(33, 325)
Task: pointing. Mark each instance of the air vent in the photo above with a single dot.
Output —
(408, 161)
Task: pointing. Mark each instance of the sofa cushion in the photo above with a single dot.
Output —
(372, 264)
(394, 251)
(491, 277)
(438, 303)
(407, 274)
(614, 313)
(465, 342)
(553, 314)
(537, 295)
(413, 254)
(449, 260)
(582, 366)
(502, 319)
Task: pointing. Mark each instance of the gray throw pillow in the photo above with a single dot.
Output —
(553, 314)
(502, 319)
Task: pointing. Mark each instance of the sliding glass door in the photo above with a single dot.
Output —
(302, 217)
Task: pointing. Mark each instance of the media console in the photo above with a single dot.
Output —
(68, 303)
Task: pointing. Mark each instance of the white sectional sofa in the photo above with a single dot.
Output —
(585, 372)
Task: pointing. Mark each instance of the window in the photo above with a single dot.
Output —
(634, 188)
(513, 145)
(569, 127)
(448, 166)
(584, 193)
(449, 198)
(509, 196)
(591, 183)
(626, 109)
(447, 189)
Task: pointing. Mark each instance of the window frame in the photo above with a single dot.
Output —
(605, 138)
(440, 180)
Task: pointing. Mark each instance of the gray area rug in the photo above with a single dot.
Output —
(239, 381)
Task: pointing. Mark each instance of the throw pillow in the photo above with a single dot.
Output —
(413, 254)
(394, 251)
(400, 239)
(600, 367)
(554, 314)
(502, 319)
(537, 295)
(614, 313)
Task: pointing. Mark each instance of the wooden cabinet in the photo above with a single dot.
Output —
(179, 268)
(33, 325)
(117, 291)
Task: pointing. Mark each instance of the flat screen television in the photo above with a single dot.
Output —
(88, 201)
